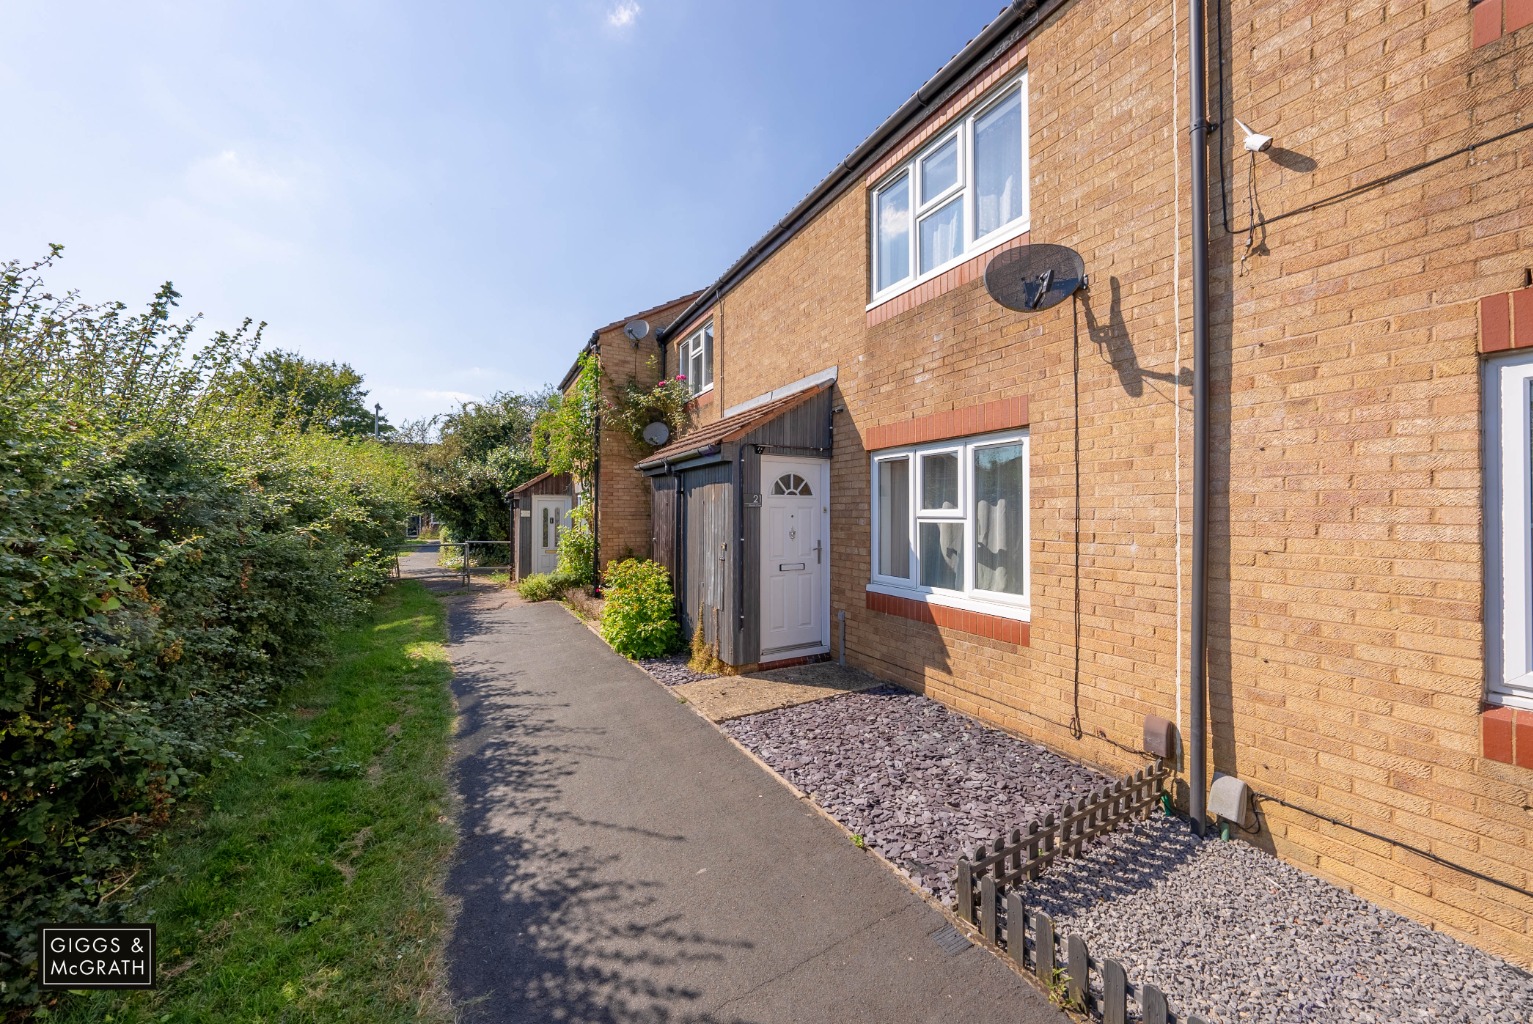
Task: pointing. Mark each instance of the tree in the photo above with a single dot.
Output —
(140, 371)
(483, 451)
(564, 440)
(312, 394)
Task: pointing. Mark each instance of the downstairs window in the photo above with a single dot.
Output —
(950, 519)
(1508, 404)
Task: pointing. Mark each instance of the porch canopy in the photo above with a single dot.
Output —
(707, 443)
(706, 504)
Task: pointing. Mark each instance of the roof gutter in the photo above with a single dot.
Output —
(671, 463)
(1027, 13)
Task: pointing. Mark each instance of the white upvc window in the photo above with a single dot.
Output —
(963, 191)
(1508, 404)
(695, 358)
(950, 522)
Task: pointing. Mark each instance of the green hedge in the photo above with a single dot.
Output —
(159, 587)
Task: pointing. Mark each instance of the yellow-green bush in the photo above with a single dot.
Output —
(639, 616)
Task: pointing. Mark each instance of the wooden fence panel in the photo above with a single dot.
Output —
(1114, 993)
(997, 870)
(1017, 858)
(965, 886)
(1079, 969)
(1043, 947)
(987, 899)
(1016, 928)
(1153, 1003)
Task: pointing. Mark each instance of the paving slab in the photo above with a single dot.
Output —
(620, 860)
(725, 697)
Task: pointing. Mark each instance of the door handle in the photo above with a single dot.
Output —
(818, 545)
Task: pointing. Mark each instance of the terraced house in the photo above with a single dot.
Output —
(1013, 512)
(542, 505)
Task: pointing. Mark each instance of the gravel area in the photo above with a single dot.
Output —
(1231, 933)
(917, 781)
(672, 670)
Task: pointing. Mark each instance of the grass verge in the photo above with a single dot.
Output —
(304, 885)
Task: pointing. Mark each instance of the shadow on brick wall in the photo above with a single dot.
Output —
(1113, 342)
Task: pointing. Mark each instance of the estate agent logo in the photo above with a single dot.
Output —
(99, 956)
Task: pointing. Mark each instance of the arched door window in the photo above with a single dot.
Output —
(791, 483)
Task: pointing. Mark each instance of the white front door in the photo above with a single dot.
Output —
(795, 555)
(550, 518)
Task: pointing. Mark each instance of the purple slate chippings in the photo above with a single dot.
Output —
(1234, 935)
(917, 781)
(672, 670)
(1226, 930)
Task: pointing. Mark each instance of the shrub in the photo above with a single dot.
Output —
(705, 656)
(538, 586)
(546, 586)
(637, 406)
(163, 588)
(638, 619)
(577, 546)
(170, 560)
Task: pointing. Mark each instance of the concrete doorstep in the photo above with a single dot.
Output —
(725, 697)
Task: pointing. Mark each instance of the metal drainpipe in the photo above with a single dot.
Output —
(1197, 705)
(596, 515)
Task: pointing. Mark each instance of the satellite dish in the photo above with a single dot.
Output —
(657, 434)
(637, 330)
(1034, 277)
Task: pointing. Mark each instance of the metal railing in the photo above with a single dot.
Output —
(463, 564)
(469, 548)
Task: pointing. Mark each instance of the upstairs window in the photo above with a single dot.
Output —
(696, 358)
(965, 190)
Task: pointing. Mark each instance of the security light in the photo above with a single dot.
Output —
(1255, 143)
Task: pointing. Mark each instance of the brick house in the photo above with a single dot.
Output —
(1000, 503)
(622, 497)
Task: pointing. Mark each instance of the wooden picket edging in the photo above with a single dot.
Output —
(990, 898)
(1020, 858)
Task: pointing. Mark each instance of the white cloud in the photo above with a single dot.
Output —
(231, 176)
(400, 404)
(624, 14)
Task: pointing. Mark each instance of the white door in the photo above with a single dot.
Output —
(795, 556)
(550, 518)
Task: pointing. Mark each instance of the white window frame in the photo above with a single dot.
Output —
(694, 346)
(919, 479)
(1508, 461)
(963, 131)
(1016, 606)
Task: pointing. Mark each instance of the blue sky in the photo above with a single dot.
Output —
(449, 196)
